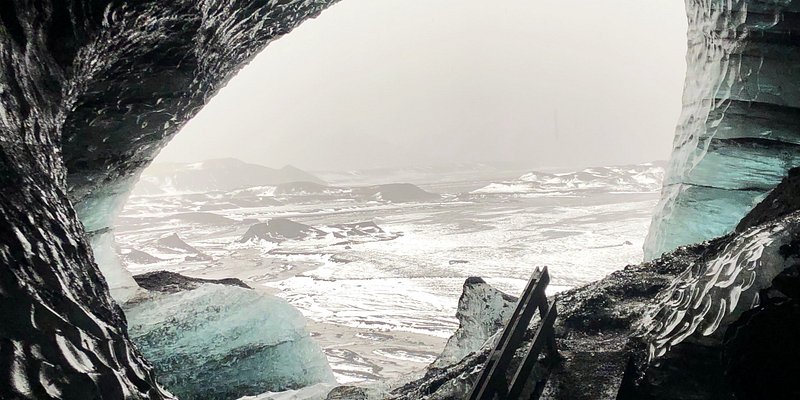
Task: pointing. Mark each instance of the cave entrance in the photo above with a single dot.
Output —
(365, 165)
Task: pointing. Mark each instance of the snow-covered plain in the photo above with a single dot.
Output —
(382, 302)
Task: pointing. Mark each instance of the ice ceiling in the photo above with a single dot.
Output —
(90, 90)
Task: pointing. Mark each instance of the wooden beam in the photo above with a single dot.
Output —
(543, 337)
(492, 379)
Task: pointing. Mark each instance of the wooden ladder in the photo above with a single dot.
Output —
(492, 383)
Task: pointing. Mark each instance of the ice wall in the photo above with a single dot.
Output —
(90, 90)
(740, 127)
(97, 212)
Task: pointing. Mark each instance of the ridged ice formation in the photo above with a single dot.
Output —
(710, 295)
(740, 128)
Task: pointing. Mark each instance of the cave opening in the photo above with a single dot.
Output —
(337, 279)
(358, 155)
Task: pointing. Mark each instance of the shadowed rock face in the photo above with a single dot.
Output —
(90, 90)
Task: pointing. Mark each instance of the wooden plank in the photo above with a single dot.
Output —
(542, 339)
(492, 379)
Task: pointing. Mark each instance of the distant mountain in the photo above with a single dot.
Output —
(277, 230)
(172, 243)
(629, 178)
(218, 174)
(298, 187)
(395, 193)
(139, 257)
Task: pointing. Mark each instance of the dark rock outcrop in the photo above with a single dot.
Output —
(171, 282)
(277, 230)
(395, 193)
(174, 244)
(781, 201)
(140, 257)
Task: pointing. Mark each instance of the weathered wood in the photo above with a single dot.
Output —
(492, 377)
(492, 380)
(543, 338)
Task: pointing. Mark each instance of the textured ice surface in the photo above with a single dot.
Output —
(98, 212)
(482, 312)
(708, 296)
(119, 279)
(222, 342)
(738, 132)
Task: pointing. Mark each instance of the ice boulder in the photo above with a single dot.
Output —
(482, 312)
(224, 342)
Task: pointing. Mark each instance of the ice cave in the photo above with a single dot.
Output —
(92, 90)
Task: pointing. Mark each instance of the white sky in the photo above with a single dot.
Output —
(375, 83)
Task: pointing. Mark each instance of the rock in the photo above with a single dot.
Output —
(394, 193)
(277, 230)
(348, 393)
(171, 282)
(173, 242)
(139, 257)
(781, 201)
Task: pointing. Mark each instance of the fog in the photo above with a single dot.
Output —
(379, 83)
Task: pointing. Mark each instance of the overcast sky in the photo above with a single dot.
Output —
(376, 83)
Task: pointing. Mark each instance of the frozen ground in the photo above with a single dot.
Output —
(382, 303)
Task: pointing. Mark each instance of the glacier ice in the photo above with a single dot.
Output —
(120, 281)
(738, 132)
(97, 211)
(223, 342)
(482, 312)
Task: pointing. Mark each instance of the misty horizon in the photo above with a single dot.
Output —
(377, 84)
(503, 166)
